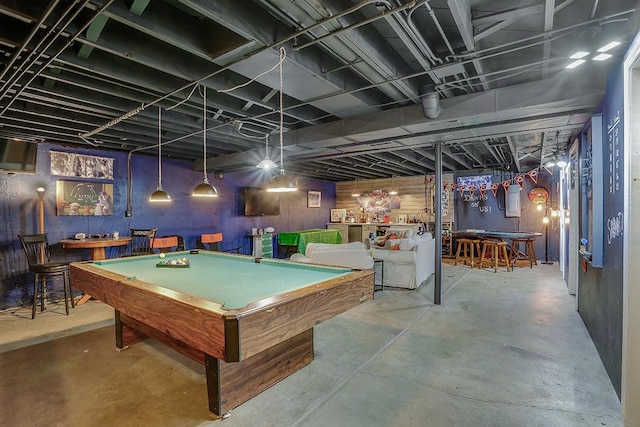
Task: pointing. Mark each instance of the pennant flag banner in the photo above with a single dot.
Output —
(494, 189)
(519, 180)
(533, 174)
(461, 188)
(506, 184)
(472, 189)
(550, 173)
(453, 187)
(483, 188)
(445, 185)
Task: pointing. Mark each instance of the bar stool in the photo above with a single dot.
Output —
(468, 247)
(528, 254)
(36, 249)
(498, 251)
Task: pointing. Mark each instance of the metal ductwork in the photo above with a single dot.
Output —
(430, 102)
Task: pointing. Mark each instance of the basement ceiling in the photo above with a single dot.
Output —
(368, 87)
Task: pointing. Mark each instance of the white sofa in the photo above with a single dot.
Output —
(408, 261)
(352, 255)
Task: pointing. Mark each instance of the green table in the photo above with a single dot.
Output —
(248, 320)
(300, 239)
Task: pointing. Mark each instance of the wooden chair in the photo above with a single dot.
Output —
(498, 251)
(213, 242)
(36, 248)
(166, 244)
(141, 241)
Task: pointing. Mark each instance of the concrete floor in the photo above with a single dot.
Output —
(504, 349)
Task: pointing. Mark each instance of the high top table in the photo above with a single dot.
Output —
(97, 247)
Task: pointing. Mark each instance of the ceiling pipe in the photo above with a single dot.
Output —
(430, 102)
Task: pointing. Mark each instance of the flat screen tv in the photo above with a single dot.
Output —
(258, 202)
(17, 156)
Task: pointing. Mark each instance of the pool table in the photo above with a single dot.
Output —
(248, 320)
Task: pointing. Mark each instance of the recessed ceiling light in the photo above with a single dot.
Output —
(579, 54)
(602, 57)
(574, 64)
(608, 46)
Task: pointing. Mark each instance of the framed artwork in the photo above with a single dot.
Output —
(83, 198)
(337, 215)
(313, 199)
(81, 165)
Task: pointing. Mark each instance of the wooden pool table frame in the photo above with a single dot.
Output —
(244, 351)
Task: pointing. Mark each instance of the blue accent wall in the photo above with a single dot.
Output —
(185, 215)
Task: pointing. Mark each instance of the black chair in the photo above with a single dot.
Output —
(36, 248)
(141, 241)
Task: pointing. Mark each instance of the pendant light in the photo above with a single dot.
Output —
(159, 195)
(355, 189)
(393, 190)
(266, 163)
(281, 183)
(204, 189)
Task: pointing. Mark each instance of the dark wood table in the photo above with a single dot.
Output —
(97, 251)
(505, 235)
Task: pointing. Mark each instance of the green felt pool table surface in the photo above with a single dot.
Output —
(229, 280)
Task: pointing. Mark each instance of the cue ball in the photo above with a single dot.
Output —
(161, 255)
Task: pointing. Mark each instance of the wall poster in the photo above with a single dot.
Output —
(83, 198)
(81, 165)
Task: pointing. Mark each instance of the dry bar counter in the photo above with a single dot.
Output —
(248, 320)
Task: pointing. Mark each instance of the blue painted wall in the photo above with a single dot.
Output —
(186, 215)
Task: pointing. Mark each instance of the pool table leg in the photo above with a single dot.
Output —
(125, 334)
(231, 384)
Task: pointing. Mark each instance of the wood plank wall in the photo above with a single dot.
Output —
(415, 192)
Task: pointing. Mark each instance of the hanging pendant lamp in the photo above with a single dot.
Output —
(393, 190)
(281, 183)
(159, 195)
(355, 188)
(266, 163)
(204, 189)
